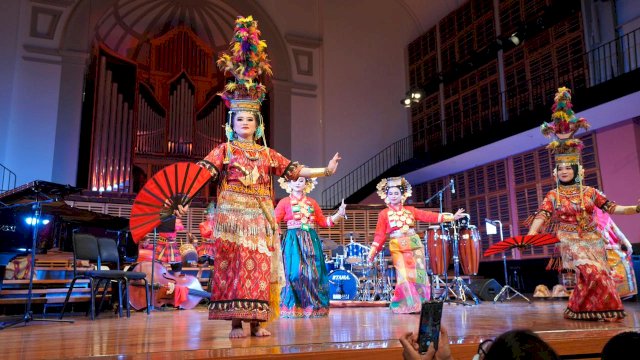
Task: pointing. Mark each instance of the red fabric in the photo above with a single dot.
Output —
(284, 212)
(264, 163)
(180, 295)
(594, 296)
(383, 228)
(206, 229)
(591, 198)
(241, 276)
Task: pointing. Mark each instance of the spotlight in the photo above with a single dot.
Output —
(406, 102)
(416, 95)
(515, 39)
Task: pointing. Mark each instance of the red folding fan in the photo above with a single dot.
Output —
(521, 241)
(155, 204)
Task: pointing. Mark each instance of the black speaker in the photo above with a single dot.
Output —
(485, 289)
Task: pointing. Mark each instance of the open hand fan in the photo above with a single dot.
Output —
(156, 203)
(521, 241)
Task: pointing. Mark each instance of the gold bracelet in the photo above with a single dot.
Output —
(319, 172)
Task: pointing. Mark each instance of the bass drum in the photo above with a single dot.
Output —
(343, 285)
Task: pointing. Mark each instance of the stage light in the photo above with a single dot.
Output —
(94, 189)
(406, 102)
(515, 39)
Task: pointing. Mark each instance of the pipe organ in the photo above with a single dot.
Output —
(151, 114)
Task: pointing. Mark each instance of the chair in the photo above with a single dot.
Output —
(109, 254)
(85, 247)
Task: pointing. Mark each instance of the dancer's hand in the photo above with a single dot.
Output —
(458, 214)
(333, 164)
(342, 210)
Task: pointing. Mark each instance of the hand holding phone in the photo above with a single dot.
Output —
(429, 328)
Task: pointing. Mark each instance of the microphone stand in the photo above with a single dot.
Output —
(444, 295)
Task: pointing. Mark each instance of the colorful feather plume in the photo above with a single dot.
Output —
(246, 62)
(564, 124)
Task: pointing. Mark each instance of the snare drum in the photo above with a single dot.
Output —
(343, 285)
(435, 238)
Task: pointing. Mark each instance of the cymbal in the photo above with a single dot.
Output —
(329, 244)
(356, 236)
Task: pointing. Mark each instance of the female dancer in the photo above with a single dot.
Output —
(407, 252)
(248, 267)
(306, 292)
(568, 210)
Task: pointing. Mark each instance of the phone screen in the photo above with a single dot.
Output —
(429, 330)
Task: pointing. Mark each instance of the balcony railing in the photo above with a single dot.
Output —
(517, 109)
(7, 179)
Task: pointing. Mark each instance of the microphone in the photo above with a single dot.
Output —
(453, 186)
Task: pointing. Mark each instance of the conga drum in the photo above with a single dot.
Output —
(469, 249)
(436, 239)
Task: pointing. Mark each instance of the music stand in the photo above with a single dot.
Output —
(28, 314)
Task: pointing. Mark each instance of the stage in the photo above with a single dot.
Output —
(348, 333)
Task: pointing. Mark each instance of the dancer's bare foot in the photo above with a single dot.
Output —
(236, 330)
(258, 331)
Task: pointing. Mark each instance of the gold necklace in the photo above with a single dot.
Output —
(244, 151)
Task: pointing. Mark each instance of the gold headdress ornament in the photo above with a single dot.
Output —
(399, 182)
(310, 184)
(247, 61)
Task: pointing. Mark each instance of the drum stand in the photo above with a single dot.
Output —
(458, 283)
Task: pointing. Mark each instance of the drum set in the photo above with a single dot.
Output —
(351, 277)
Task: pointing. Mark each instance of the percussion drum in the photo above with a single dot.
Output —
(189, 254)
(435, 237)
(469, 248)
(356, 253)
(343, 285)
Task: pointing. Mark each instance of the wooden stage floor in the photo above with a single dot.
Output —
(348, 333)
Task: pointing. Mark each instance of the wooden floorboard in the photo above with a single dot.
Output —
(348, 333)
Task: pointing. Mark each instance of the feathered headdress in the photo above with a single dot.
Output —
(564, 146)
(247, 61)
(399, 182)
(562, 128)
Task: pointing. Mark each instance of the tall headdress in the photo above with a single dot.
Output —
(562, 128)
(565, 147)
(399, 182)
(247, 61)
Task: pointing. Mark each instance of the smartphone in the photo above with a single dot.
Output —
(429, 330)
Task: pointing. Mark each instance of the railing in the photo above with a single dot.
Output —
(398, 152)
(7, 179)
(604, 63)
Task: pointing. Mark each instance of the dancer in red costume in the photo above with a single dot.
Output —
(248, 271)
(569, 211)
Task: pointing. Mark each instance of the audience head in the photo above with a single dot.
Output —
(618, 347)
(520, 345)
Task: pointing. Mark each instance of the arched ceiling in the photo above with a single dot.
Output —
(127, 26)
